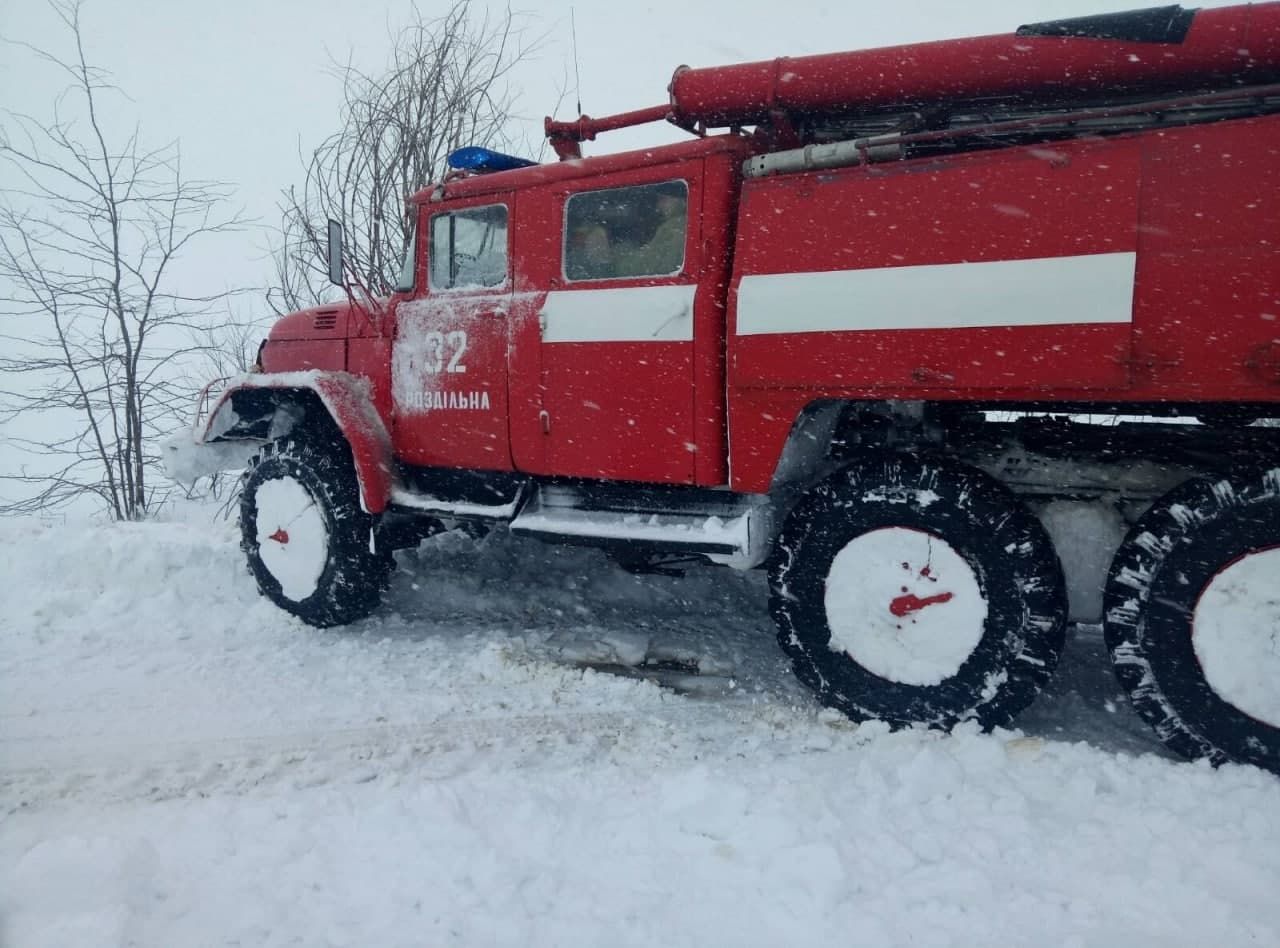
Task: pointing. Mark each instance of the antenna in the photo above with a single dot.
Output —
(577, 83)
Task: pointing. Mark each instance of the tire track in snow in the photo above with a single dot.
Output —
(37, 776)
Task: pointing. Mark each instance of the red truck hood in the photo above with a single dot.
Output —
(320, 322)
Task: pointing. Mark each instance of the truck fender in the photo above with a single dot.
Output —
(266, 406)
(804, 454)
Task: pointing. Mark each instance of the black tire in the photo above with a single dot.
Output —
(1159, 575)
(1011, 558)
(351, 576)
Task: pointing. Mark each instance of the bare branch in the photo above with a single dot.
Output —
(104, 351)
(446, 85)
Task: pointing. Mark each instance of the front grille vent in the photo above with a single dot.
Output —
(326, 320)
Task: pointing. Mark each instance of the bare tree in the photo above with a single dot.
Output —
(89, 235)
(447, 85)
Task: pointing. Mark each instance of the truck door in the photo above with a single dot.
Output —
(449, 358)
(616, 330)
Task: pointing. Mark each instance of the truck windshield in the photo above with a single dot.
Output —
(469, 248)
(407, 269)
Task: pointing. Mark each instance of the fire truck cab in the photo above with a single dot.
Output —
(585, 339)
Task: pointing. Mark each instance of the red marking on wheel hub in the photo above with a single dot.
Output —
(282, 536)
(909, 603)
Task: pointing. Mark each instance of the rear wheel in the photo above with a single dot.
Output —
(305, 536)
(916, 591)
(1193, 618)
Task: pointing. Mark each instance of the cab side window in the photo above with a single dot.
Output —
(626, 232)
(469, 248)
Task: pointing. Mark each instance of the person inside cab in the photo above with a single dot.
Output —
(663, 253)
(634, 231)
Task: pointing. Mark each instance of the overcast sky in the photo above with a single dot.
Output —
(243, 84)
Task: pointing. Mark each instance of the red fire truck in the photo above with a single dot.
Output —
(960, 341)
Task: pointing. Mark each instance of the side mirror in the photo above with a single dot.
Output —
(334, 254)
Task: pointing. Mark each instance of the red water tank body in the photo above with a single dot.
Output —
(1169, 48)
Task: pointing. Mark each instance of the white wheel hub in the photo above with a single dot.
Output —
(293, 541)
(904, 605)
(1235, 631)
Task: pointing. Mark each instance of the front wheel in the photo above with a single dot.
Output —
(918, 591)
(305, 536)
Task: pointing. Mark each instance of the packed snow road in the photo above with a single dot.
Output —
(182, 764)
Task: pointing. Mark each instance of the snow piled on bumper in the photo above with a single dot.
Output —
(186, 460)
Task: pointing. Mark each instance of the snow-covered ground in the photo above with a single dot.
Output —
(182, 764)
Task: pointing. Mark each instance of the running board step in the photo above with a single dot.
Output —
(737, 537)
(669, 531)
(732, 529)
(427, 503)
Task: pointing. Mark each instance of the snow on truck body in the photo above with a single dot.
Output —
(848, 342)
